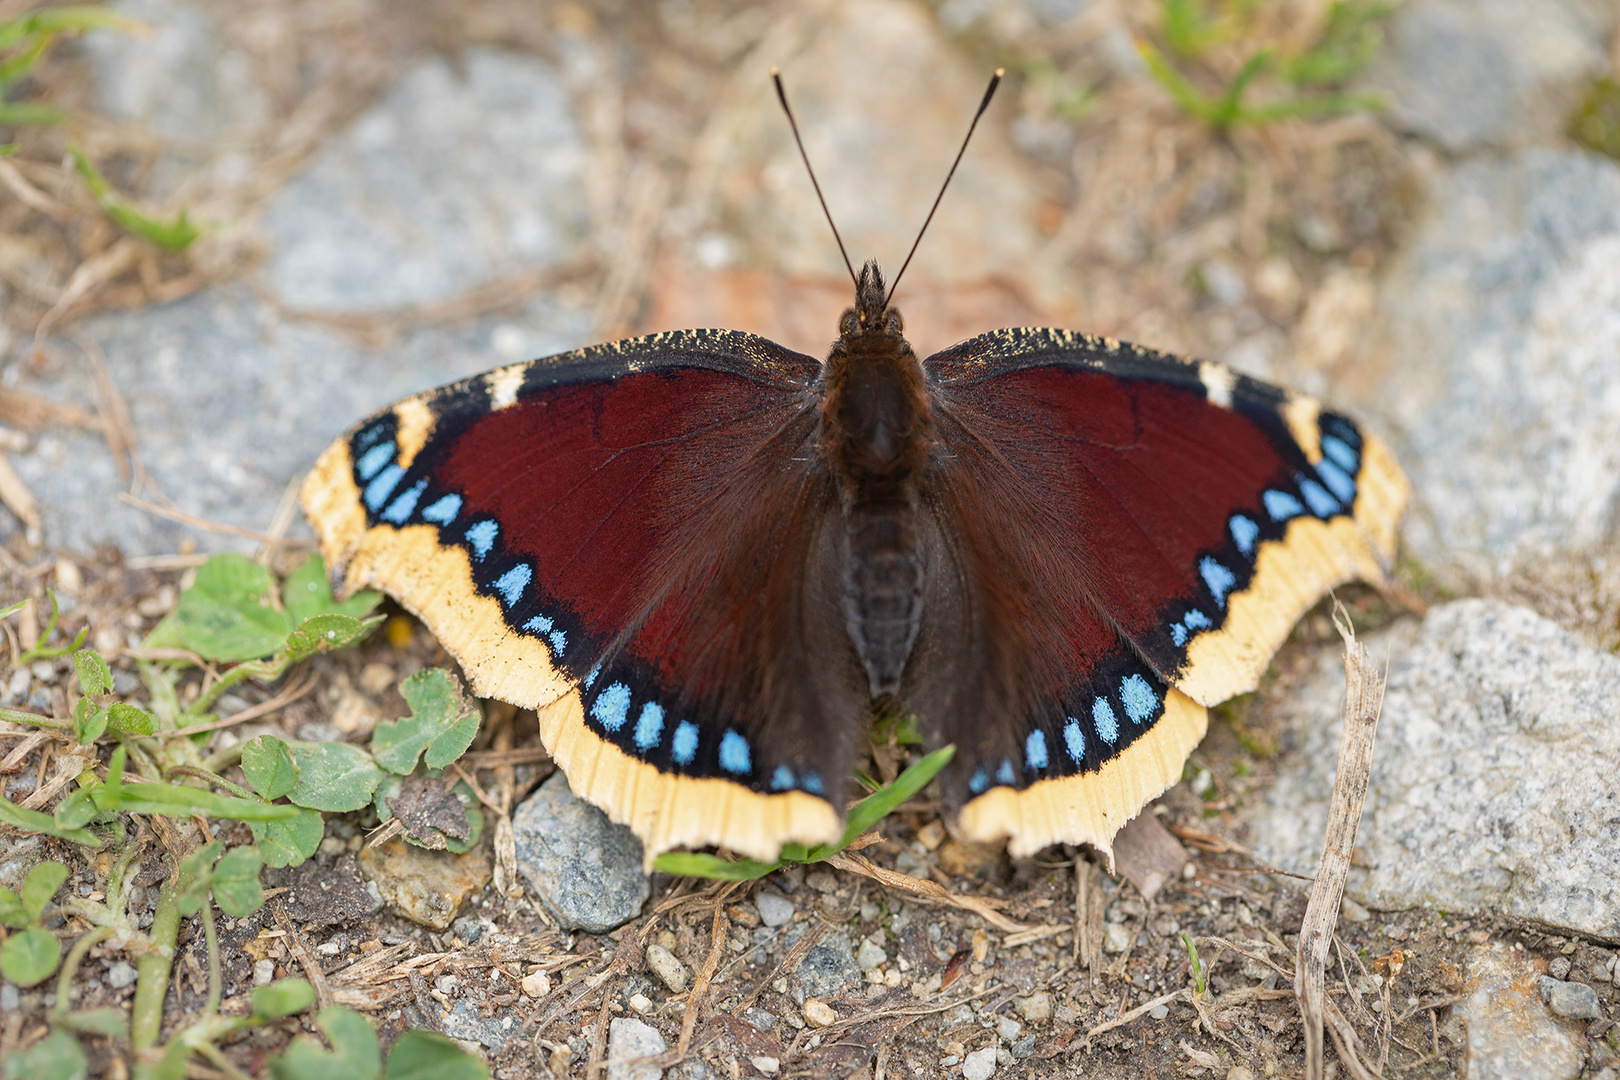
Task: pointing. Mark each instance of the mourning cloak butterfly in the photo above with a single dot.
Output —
(705, 560)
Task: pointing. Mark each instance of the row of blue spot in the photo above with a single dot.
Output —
(382, 474)
(1137, 697)
(611, 711)
(1336, 470)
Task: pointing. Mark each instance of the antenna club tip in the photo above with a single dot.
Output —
(776, 72)
(1000, 72)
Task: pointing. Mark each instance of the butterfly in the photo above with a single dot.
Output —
(707, 561)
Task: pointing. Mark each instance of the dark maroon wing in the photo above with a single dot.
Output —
(640, 533)
(1127, 536)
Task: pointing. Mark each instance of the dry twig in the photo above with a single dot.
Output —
(1364, 695)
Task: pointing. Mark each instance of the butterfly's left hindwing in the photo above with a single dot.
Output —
(626, 539)
(1155, 512)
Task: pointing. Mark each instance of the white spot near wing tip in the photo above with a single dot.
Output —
(504, 384)
(1218, 381)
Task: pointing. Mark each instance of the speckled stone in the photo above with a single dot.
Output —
(628, 1039)
(585, 870)
(826, 969)
(1573, 1000)
(492, 1032)
(446, 182)
(427, 887)
(1492, 787)
(1510, 1034)
(1495, 363)
(1470, 74)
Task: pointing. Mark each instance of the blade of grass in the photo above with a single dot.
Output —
(35, 821)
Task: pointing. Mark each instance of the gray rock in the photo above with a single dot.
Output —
(669, 969)
(879, 159)
(446, 182)
(468, 928)
(761, 1019)
(10, 998)
(1510, 1036)
(1484, 794)
(585, 870)
(228, 406)
(1573, 1000)
(629, 1039)
(182, 80)
(980, 1065)
(774, 908)
(120, 975)
(1472, 73)
(870, 955)
(825, 970)
(20, 857)
(464, 1023)
(1502, 325)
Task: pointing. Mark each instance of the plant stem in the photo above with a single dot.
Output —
(213, 778)
(221, 760)
(152, 969)
(215, 976)
(268, 670)
(221, 1062)
(18, 716)
(70, 966)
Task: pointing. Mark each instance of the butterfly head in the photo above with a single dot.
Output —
(871, 317)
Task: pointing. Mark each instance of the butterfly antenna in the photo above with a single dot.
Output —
(990, 92)
(781, 95)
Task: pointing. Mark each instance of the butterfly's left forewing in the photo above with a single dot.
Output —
(630, 540)
(1162, 524)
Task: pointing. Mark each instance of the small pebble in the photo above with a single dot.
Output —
(632, 1038)
(641, 1003)
(1116, 938)
(1350, 911)
(376, 677)
(761, 1019)
(818, 1013)
(980, 1065)
(821, 881)
(1240, 1072)
(1558, 967)
(1037, 1008)
(774, 908)
(1008, 1028)
(263, 972)
(670, 971)
(536, 985)
(445, 984)
(766, 1065)
(1159, 1012)
(10, 999)
(931, 835)
(871, 955)
(1023, 1048)
(44, 671)
(1003, 1056)
(119, 975)
(468, 928)
(18, 686)
(1577, 1001)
